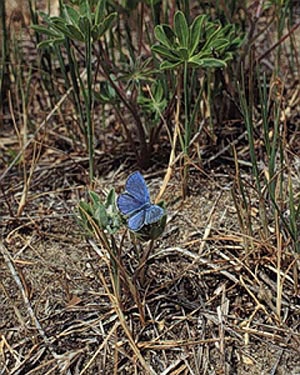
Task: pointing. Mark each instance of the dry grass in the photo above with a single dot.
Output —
(210, 307)
(216, 299)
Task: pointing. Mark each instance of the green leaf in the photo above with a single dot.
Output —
(94, 198)
(106, 94)
(236, 42)
(219, 44)
(71, 15)
(195, 33)
(168, 65)
(76, 33)
(51, 42)
(99, 15)
(101, 216)
(84, 25)
(62, 28)
(184, 53)
(45, 30)
(111, 198)
(161, 36)
(84, 8)
(57, 21)
(181, 29)
(227, 57)
(208, 62)
(100, 29)
(108, 21)
(85, 208)
(212, 37)
(163, 51)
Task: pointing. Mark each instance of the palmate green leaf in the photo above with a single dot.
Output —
(57, 21)
(157, 91)
(195, 33)
(46, 31)
(219, 44)
(163, 51)
(99, 14)
(209, 28)
(108, 21)
(71, 15)
(208, 62)
(101, 28)
(51, 42)
(227, 56)
(169, 65)
(60, 26)
(227, 29)
(75, 32)
(84, 25)
(213, 36)
(184, 54)
(181, 29)
(105, 216)
(87, 217)
(237, 42)
(161, 35)
(84, 8)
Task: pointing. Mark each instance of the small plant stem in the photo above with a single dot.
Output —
(4, 55)
(274, 150)
(75, 85)
(209, 98)
(279, 282)
(141, 270)
(187, 134)
(247, 114)
(114, 267)
(187, 128)
(90, 128)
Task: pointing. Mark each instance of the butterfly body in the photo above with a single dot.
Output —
(135, 203)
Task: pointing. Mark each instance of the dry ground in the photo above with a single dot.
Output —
(210, 306)
(215, 301)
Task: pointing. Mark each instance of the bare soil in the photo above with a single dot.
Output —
(217, 300)
(210, 306)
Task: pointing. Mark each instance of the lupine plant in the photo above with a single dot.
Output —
(203, 44)
(84, 22)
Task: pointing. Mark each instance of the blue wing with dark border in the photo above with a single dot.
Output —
(127, 204)
(135, 203)
(137, 188)
(153, 214)
(137, 221)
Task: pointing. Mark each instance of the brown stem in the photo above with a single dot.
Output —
(144, 154)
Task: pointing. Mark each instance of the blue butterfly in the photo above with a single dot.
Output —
(135, 203)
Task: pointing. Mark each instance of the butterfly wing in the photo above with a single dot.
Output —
(135, 203)
(128, 204)
(137, 188)
(136, 221)
(153, 214)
